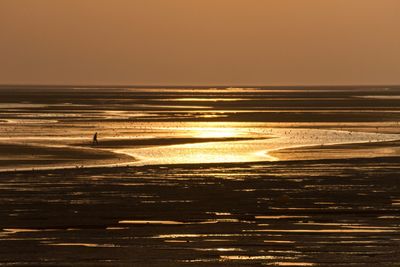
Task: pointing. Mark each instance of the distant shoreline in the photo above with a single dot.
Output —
(220, 86)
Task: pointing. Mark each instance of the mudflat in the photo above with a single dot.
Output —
(315, 213)
(273, 176)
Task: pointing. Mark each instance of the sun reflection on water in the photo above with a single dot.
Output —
(217, 132)
(263, 141)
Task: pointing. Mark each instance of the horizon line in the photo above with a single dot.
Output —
(190, 85)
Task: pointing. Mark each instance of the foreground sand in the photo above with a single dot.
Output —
(295, 213)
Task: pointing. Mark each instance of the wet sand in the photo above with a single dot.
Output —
(16, 156)
(22, 156)
(297, 213)
(361, 150)
(323, 192)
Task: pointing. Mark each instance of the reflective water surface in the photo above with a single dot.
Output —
(200, 176)
(52, 127)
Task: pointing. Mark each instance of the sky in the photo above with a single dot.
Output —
(200, 42)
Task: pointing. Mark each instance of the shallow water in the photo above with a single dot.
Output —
(321, 213)
(255, 177)
(250, 151)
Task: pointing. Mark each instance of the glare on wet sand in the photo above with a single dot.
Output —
(216, 177)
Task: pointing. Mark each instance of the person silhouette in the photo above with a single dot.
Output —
(95, 139)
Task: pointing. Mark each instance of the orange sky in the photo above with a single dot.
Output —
(257, 42)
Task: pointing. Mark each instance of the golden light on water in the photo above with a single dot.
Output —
(263, 143)
(216, 132)
(275, 179)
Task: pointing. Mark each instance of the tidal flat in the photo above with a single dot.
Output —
(272, 176)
